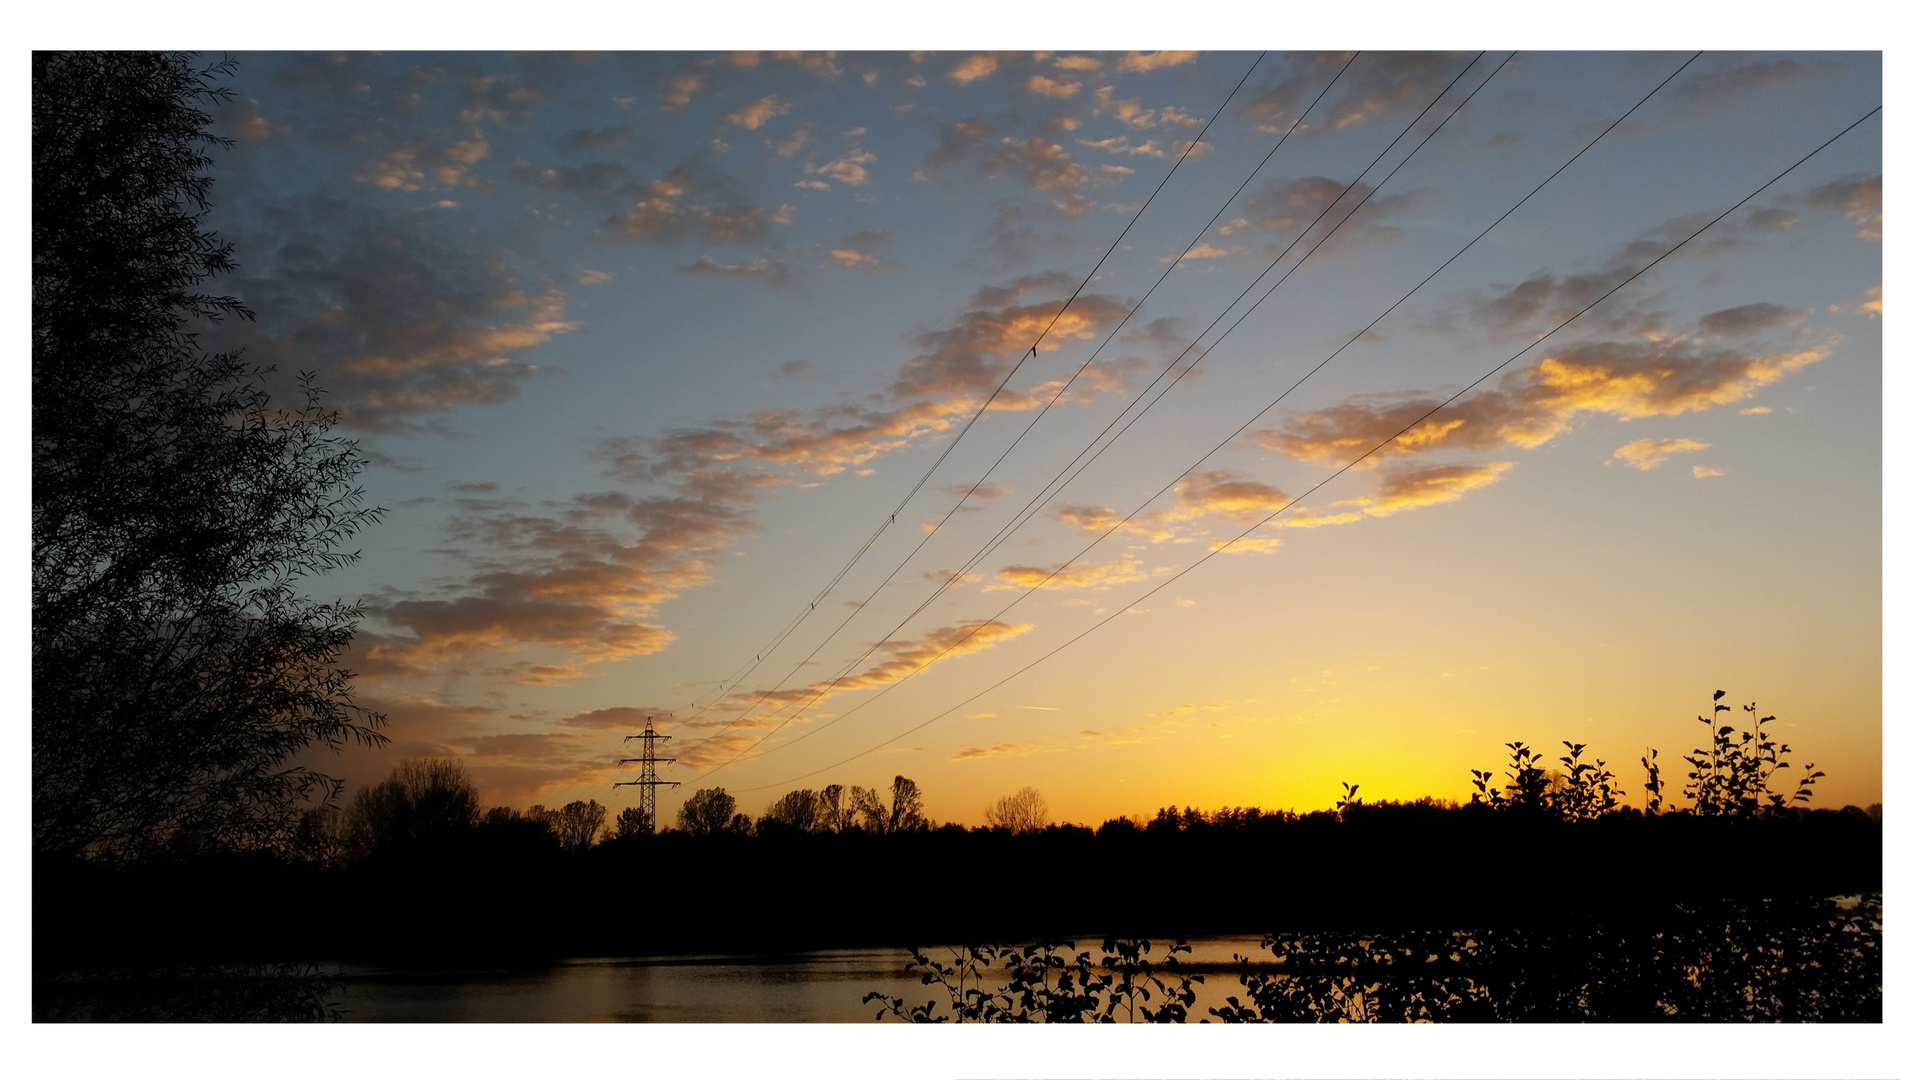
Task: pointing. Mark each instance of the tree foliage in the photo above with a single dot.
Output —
(707, 811)
(578, 823)
(1023, 811)
(178, 667)
(423, 802)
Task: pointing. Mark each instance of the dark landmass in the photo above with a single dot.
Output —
(487, 896)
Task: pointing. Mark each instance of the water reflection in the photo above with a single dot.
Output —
(815, 987)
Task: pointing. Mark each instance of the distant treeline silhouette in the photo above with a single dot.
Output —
(416, 871)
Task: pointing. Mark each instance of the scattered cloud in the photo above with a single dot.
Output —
(1288, 206)
(1138, 61)
(396, 320)
(971, 353)
(1645, 454)
(1053, 88)
(974, 68)
(849, 169)
(1405, 489)
(1868, 306)
(753, 116)
(1044, 166)
(1377, 85)
(897, 660)
(664, 214)
(773, 271)
(1712, 89)
(1748, 319)
(586, 583)
(1702, 472)
(1625, 380)
(977, 753)
(958, 141)
(1857, 197)
(1091, 575)
(681, 91)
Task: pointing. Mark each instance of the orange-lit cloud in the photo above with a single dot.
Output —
(1405, 489)
(1199, 497)
(1644, 454)
(1044, 166)
(973, 68)
(970, 354)
(1703, 472)
(1857, 197)
(1043, 86)
(574, 583)
(664, 214)
(1129, 112)
(753, 116)
(1869, 306)
(1625, 380)
(1090, 575)
(396, 323)
(683, 89)
(850, 169)
(1138, 61)
(898, 659)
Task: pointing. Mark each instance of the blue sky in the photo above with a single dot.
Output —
(643, 347)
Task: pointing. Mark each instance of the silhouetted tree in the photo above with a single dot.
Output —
(707, 811)
(905, 814)
(1023, 811)
(631, 822)
(178, 669)
(798, 811)
(834, 814)
(578, 823)
(866, 805)
(423, 802)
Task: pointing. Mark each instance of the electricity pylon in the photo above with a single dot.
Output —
(648, 780)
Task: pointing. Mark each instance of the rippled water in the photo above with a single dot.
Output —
(815, 987)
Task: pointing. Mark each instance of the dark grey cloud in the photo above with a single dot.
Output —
(1748, 319)
(397, 318)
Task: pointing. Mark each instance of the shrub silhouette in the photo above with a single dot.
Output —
(1733, 777)
(1048, 982)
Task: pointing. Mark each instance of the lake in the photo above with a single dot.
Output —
(812, 987)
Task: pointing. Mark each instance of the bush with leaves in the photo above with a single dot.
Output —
(1733, 777)
(1048, 982)
(1816, 960)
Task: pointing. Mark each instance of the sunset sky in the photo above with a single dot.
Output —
(645, 347)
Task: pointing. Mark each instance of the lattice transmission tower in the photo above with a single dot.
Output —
(649, 780)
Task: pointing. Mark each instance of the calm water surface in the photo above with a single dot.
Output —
(814, 987)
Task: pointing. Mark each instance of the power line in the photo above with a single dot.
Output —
(1032, 351)
(929, 534)
(1344, 468)
(1019, 519)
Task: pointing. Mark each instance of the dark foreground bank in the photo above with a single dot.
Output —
(479, 895)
